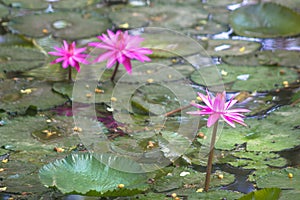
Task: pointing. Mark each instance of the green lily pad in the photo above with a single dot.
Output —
(88, 174)
(21, 132)
(46, 44)
(210, 195)
(40, 4)
(19, 59)
(176, 17)
(276, 57)
(4, 11)
(263, 138)
(223, 48)
(279, 178)
(292, 4)
(218, 14)
(29, 154)
(266, 194)
(151, 196)
(165, 43)
(13, 40)
(254, 160)
(17, 96)
(207, 27)
(186, 177)
(50, 73)
(66, 25)
(251, 78)
(222, 3)
(265, 20)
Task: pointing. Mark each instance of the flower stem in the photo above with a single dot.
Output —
(177, 110)
(115, 71)
(210, 157)
(70, 73)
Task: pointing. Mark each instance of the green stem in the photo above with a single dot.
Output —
(211, 156)
(70, 73)
(177, 110)
(115, 71)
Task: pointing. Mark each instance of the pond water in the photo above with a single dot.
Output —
(44, 117)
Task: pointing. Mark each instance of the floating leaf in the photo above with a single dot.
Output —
(265, 20)
(19, 59)
(264, 138)
(194, 179)
(17, 96)
(261, 78)
(14, 40)
(39, 4)
(93, 175)
(66, 25)
(218, 14)
(205, 27)
(212, 194)
(231, 47)
(280, 179)
(166, 44)
(266, 194)
(254, 160)
(168, 16)
(4, 11)
(274, 57)
(222, 2)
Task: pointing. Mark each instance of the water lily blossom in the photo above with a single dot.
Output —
(121, 48)
(217, 108)
(69, 55)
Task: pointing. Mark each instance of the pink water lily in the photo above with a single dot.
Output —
(121, 48)
(217, 108)
(69, 55)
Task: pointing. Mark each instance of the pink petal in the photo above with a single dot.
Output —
(212, 119)
(105, 56)
(79, 50)
(230, 103)
(72, 62)
(66, 46)
(65, 64)
(237, 110)
(56, 53)
(111, 62)
(228, 121)
(205, 99)
(127, 65)
(77, 67)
